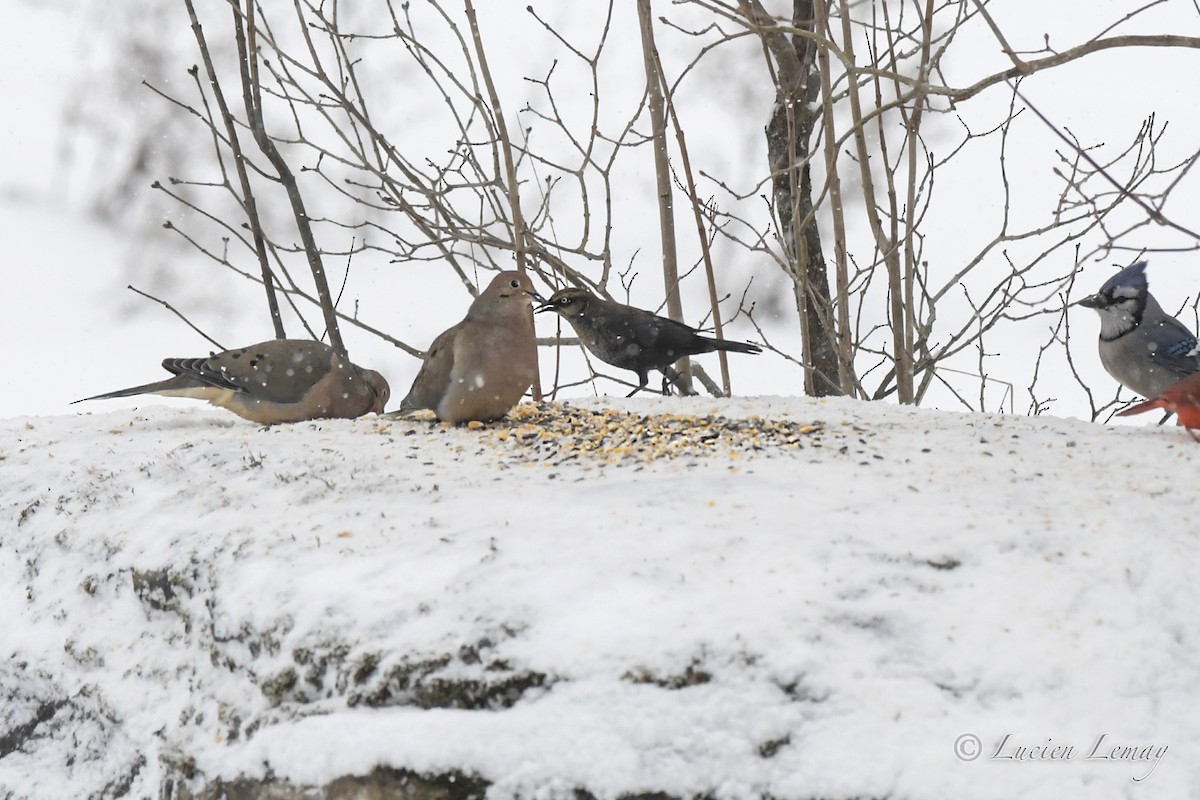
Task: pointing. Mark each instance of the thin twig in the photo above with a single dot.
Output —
(1153, 213)
(705, 250)
(248, 55)
(177, 313)
(662, 174)
(511, 186)
(247, 201)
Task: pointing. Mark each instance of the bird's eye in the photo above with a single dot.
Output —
(516, 284)
(564, 301)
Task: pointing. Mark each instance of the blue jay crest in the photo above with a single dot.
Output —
(1143, 347)
(1128, 283)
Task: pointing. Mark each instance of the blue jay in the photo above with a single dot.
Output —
(1142, 346)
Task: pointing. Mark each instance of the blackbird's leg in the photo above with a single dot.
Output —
(643, 379)
(671, 378)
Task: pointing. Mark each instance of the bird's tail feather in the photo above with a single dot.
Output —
(179, 386)
(735, 347)
(1141, 408)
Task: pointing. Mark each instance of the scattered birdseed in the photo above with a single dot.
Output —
(557, 432)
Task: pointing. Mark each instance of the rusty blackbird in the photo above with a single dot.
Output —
(631, 338)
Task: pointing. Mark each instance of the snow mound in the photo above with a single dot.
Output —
(193, 601)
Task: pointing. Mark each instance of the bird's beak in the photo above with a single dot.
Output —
(546, 305)
(537, 297)
(1091, 301)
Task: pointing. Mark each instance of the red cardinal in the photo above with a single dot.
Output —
(1183, 398)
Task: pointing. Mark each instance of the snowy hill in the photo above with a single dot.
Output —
(829, 601)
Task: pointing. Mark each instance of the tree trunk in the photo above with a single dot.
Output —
(789, 134)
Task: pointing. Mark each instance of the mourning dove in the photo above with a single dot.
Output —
(281, 380)
(480, 368)
(631, 338)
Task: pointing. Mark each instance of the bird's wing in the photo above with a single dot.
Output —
(678, 340)
(650, 330)
(430, 384)
(1183, 356)
(278, 371)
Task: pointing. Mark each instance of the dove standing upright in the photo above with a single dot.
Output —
(280, 380)
(631, 338)
(480, 368)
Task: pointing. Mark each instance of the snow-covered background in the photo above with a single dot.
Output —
(189, 598)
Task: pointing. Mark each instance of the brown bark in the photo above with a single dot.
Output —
(789, 134)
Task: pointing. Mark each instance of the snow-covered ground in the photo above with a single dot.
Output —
(186, 594)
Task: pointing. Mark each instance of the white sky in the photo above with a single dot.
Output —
(92, 335)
